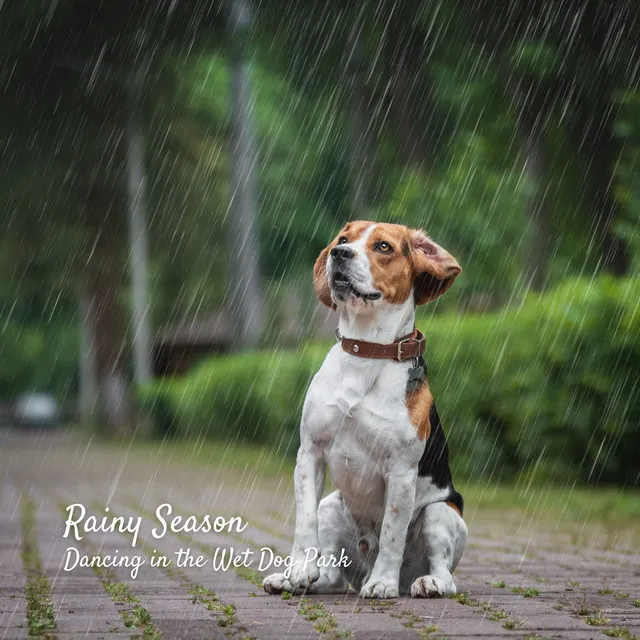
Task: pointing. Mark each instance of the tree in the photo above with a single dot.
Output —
(566, 72)
(245, 295)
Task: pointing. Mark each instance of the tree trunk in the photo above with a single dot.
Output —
(537, 261)
(104, 281)
(530, 123)
(87, 378)
(411, 107)
(138, 245)
(596, 146)
(594, 122)
(359, 148)
(245, 295)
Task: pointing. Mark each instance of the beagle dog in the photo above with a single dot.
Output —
(369, 417)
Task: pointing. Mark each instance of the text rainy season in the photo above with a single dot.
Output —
(78, 523)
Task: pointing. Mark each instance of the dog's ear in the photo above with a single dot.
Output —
(320, 279)
(434, 268)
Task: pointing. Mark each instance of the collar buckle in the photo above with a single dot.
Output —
(399, 349)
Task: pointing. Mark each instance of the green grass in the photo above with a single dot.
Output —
(132, 613)
(487, 609)
(206, 597)
(250, 575)
(497, 615)
(620, 632)
(323, 621)
(227, 455)
(581, 607)
(596, 619)
(246, 573)
(410, 619)
(527, 592)
(201, 595)
(39, 608)
(118, 591)
(513, 624)
(428, 631)
(617, 507)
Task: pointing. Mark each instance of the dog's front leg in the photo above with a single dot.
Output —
(309, 484)
(399, 504)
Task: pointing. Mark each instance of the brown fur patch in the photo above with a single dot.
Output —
(413, 257)
(391, 272)
(353, 230)
(435, 269)
(419, 404)
(320, 280)
(454, 507)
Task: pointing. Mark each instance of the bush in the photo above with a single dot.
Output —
(544, 392)
(548, 391)
(38, 359)
(252, 398)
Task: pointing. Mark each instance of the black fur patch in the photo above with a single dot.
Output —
(435, 458)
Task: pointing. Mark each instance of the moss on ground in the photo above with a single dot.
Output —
(40, 614)
(494, 614)
(132, 613)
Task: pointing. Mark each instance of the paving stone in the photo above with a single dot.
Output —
(567, 565)
(13, 617)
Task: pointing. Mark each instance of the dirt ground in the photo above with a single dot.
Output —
(518, 578)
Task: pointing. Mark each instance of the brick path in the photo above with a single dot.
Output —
(516, 580)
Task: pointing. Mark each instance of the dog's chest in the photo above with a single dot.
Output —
(356, 410)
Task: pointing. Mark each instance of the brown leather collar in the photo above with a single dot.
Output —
(411, 346)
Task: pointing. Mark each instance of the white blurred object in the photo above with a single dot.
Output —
(36, 409)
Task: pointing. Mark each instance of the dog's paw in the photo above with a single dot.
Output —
(432, 587)
(277, 583)
(380, 588)
(303, 573)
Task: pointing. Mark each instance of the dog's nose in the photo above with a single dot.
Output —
(342, 253)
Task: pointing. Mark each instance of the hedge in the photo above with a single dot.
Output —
(544, 392)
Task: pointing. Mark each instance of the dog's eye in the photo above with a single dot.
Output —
(342, 240)
(384, 247)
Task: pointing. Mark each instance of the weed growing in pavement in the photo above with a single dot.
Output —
(40, 615)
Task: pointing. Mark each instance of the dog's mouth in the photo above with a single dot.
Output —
(341, 284)
(340, 280)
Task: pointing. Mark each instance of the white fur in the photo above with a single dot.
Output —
(355, 422)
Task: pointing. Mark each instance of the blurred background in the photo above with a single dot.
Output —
(171, 170)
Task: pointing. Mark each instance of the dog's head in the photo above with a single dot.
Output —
(369, 262)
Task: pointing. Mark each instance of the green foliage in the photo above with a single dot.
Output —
(546, 392)
(301, 195)
(254, 397)
(37, 359)
(536, 58)
(469, 210)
